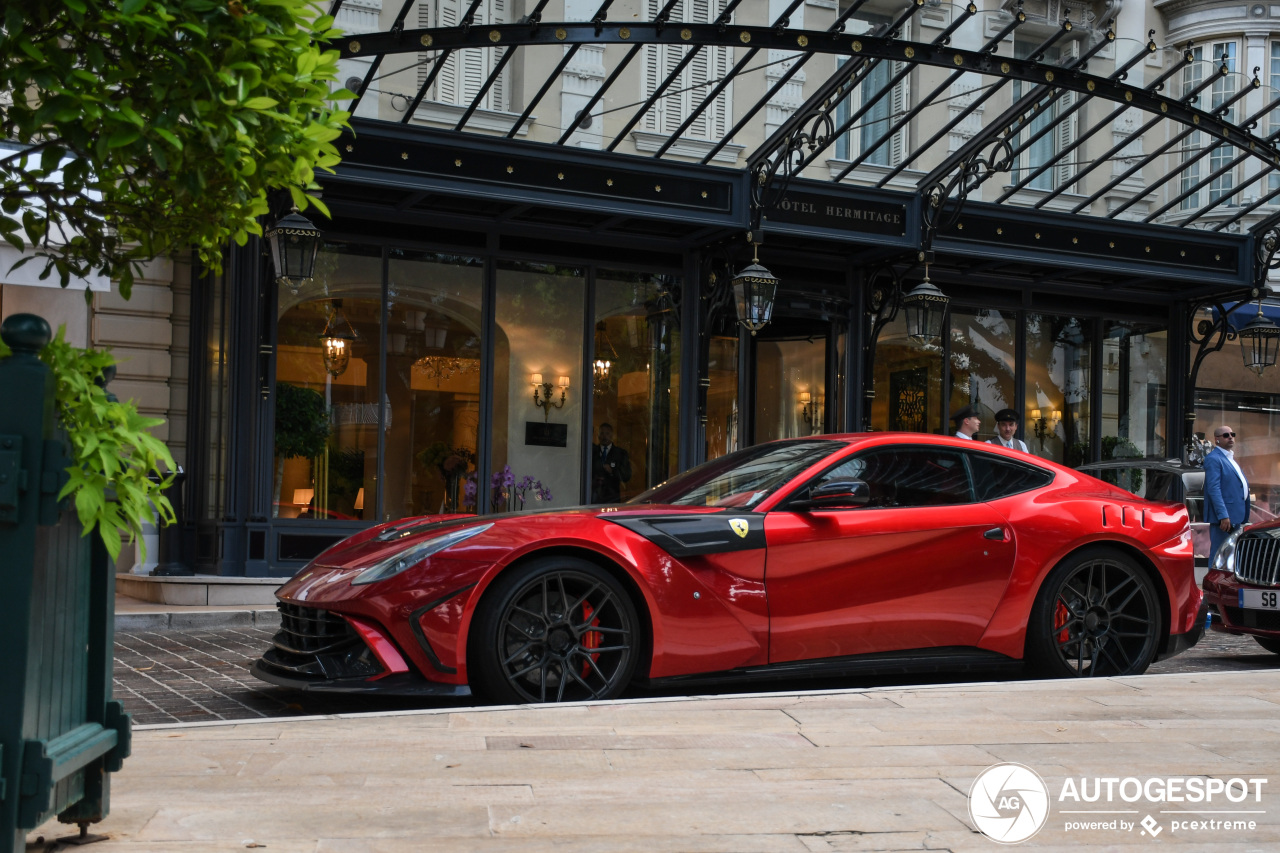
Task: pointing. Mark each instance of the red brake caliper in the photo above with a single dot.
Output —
(1060, 617)
(590, 640)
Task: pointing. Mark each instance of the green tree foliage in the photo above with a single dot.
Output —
(302, 422)
(120, 470)
(140, 127)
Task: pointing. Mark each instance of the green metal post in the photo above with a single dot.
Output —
(60, 732)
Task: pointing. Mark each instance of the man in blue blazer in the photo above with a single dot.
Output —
(1226, 492)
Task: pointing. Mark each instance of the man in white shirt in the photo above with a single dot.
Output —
(967, 422)
(1006, 426)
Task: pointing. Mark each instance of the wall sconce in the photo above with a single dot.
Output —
(1045, 425)
(542, 394)
(294, 243)
(359, 504)
(336, 341)
(811, 412)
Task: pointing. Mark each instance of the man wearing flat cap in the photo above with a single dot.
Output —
(967, 422)
(1006, 426)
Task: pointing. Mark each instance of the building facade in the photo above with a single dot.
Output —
(542, 207)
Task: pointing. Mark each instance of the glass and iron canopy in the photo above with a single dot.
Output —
(1034, 136)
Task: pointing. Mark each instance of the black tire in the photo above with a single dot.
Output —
(557, 629)
(1271, 644)
(1096, 615)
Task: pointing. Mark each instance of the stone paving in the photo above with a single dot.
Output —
(174, 676)
(878, 769)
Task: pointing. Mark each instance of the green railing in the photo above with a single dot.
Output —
(60, 732)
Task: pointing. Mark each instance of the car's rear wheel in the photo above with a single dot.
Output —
(557, 629)
(1271, 644)
(1096, 615)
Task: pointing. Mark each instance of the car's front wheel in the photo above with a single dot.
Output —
(1271, 644)
(556, 629)
(1097, 614)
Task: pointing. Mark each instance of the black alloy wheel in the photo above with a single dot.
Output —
(1096, 615)
(558, 629)
(1271, 644)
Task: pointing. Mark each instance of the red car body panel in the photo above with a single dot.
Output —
(830, 583)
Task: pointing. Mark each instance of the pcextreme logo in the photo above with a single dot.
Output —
(1009, 803)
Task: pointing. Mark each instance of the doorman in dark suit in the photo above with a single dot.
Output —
(610, 468)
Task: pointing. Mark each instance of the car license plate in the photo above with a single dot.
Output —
(1260, 599)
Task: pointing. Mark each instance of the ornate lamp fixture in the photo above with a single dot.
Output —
(1045, 422)
(810, 412)
(336, 341)
(294, 243)
(926, 310)
(542, 394)
(603, 363)
(754, 289)
(1259, 342)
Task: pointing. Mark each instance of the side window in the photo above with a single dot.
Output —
(999, 478)
(907, 476)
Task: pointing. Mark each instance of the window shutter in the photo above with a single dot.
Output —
(447, 82)
(497, 97)
(722, 62)
(653, 64)
(1066, 134)
(901, 103)
(425, 14)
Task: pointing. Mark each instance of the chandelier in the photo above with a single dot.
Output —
(606, 355)
(442, 368)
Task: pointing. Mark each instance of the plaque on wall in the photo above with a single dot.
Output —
(546, 435)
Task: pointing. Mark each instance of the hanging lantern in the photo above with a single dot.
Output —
(336, 341)
(926, 310)
(603, 363)
(294, 242)
(1259, 342)
(753, 291)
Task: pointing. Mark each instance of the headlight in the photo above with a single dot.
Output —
(1225, 559)
(397, 563)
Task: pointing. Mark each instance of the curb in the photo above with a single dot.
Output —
(200, 620)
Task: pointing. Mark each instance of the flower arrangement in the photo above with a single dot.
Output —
(506, 493)
(452, 463)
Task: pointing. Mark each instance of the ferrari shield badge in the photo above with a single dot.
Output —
(739, 526)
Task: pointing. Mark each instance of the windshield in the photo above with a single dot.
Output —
(741, 479)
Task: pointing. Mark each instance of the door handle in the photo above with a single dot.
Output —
(995, 533)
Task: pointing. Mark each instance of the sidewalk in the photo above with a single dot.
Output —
(135, 615)
(881, 769)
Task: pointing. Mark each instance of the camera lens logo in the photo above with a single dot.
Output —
(1009, 803)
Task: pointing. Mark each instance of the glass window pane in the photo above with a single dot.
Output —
(907, 382)
(983, 342)
(1059, 362)
(1134, 392)
(327, 412)
(635, 382)
(537, 440)
(722, 396)
(433, 380)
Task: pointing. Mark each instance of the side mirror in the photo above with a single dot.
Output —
(836, 494)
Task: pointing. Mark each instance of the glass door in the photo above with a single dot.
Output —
(791, 388)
